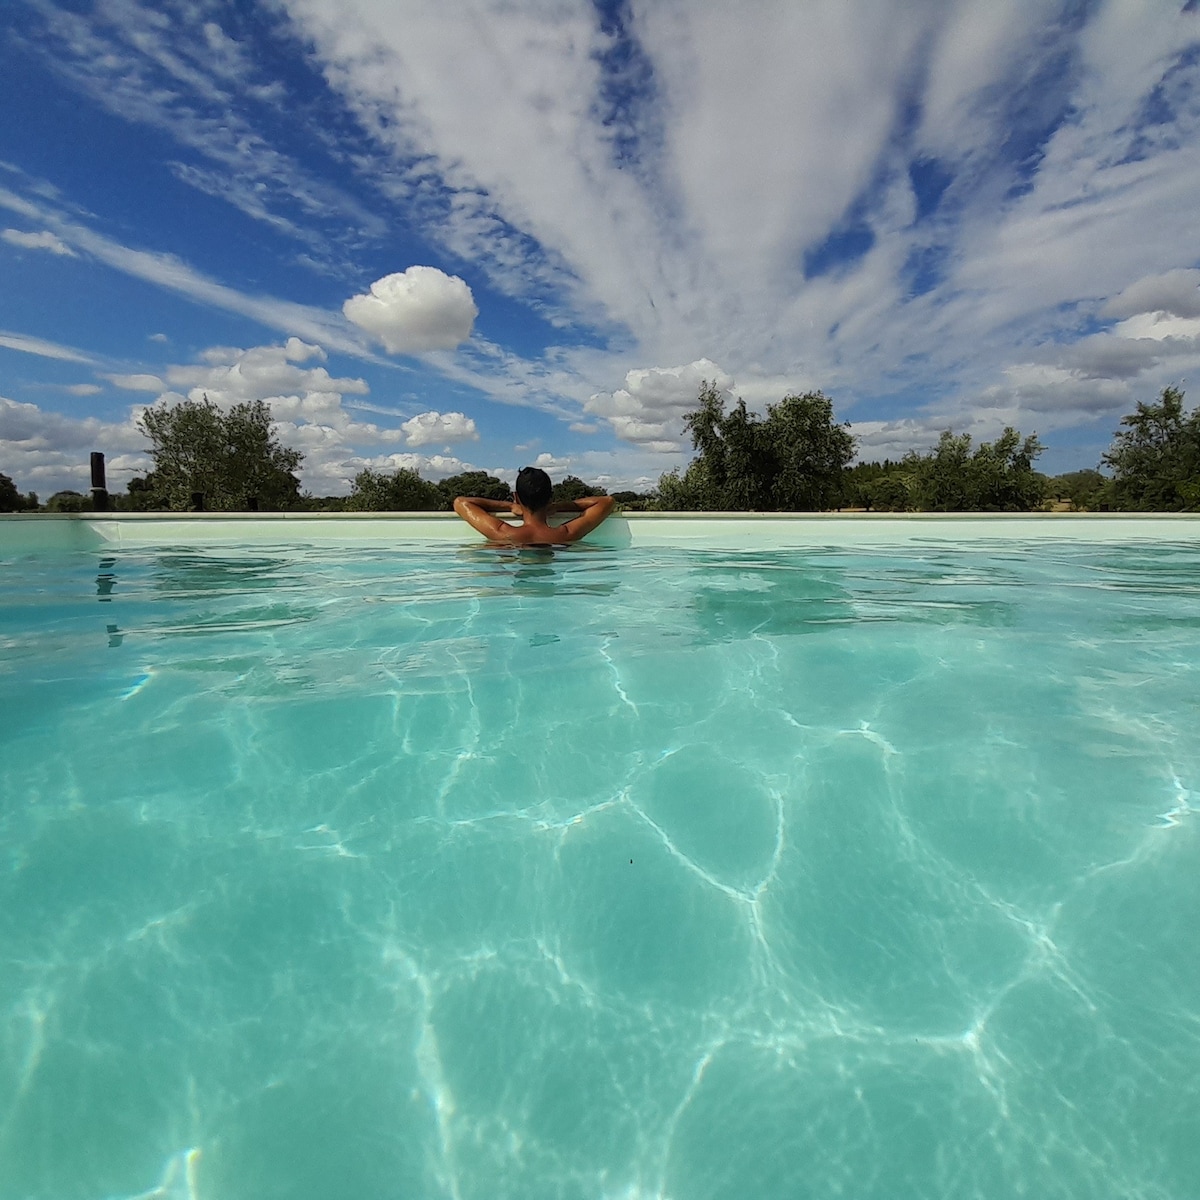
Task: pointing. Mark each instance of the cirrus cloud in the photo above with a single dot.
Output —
(136, 383)
(38, 241)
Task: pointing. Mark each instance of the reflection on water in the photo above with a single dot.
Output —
(732, 600)
(105, 579)
(215, 574)
(705, 596)
(543, 571)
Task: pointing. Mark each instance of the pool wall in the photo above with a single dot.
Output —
(26, 533)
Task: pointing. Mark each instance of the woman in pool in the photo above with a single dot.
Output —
(532, 503)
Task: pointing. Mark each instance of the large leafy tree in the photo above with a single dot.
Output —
(397, 491)
(69, 501)
(792, 459)
(1155, 459)
(234, 458)
(473, 483)
(11, 500)
(571, 487)
(997, 477)
(1086, 489)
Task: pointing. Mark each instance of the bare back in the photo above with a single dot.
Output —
(535, 528)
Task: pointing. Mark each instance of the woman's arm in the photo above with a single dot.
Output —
(576, 506)
(478, 514)
(592, 510)
(494, 506)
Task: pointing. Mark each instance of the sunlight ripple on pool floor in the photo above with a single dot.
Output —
(600, 873)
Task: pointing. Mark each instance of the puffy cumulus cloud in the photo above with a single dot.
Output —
(47, 451)
(1057, 392)
(229, 376)
(428, 428)
(1031, 397)
(137, 383)
(1136, 346)
(311, 414)
(334, 474)
(415, 311)
(637, 469)
(649, 409)
(38, 241)
(879, 440)
(1175, 292)
(308, 406)
(431, 466)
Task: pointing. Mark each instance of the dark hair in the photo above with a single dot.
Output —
(534, 489)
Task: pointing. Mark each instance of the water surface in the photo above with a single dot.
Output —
(600, 873)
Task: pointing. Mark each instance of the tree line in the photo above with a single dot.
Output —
(795, 457)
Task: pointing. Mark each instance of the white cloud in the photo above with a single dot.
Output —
(137, 383)
(637, 468)
(1176, 292)
(187, 77)
(47, 452)
(50, 450)
(173, 275)
(428, 428)
(335, 475)
(415, 311)
(83, 389)
(42, 348)
(765, 132)
(649, 408)
(669, 219)
(274, 373)
(38, 241)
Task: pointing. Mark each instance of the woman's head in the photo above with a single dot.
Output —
(534, 489)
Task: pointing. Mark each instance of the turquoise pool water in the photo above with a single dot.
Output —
(601, 873)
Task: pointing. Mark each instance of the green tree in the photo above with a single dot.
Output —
(884, 486)
(232, 457)
(11, 500)
(399, 491)
(141, 495)
(891, 492)
(793, 459)
(997, 477)
(811, 452)
(1155, 459)
(1086, 489)
(633, 501)
(68, 501)
(573, 488)
(473, 483)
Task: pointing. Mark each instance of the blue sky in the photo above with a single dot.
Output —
(501, 232)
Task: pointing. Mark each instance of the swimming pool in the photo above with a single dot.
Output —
(633, 870)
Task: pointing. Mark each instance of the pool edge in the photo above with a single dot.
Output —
(24, 533)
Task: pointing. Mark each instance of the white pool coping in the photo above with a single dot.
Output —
(25, 533)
